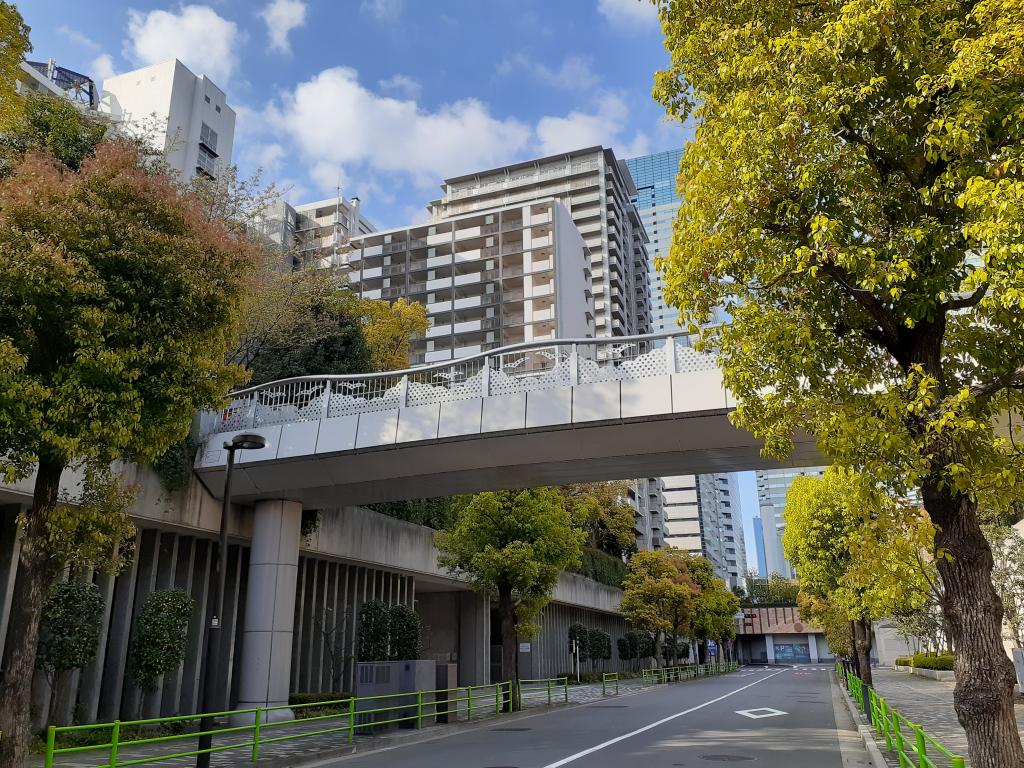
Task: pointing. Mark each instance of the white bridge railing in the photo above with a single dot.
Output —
(507, 370)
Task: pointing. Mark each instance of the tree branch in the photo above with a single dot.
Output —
(1011, 380)
(886, 165)
(868, 301)
(965, 302)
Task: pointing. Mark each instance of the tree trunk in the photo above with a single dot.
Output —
(657, 650)
(36, 572)
(509, 667)
(863, 642)
(983, 697)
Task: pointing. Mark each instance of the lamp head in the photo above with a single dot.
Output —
(246, 442)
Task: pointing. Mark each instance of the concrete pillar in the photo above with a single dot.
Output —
(769, 643)
(812, 643)
(474, 639)
(270, 607)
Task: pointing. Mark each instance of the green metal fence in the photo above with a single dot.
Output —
(544, 689)
(914, 748)
(610, 681)
(688, 672)
(251, 729)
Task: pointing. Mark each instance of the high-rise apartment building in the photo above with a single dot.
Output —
(185, 116)
(313, 234)
(703, 517)
(762, 563)
(520, 272)
(772, 487)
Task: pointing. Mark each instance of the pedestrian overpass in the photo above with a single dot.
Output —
(540, 413)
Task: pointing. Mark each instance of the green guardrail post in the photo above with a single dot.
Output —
(565, 688)
(351, 718)
(419, 709)
(549, 691)
(51, 743)
(957, 762)
(616, 684)
(469, 702)
(115, 737)
(921, 747)
(256, 736)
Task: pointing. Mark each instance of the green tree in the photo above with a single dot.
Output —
(854, 199)
(388, 329)
(117, 304)
(58, 127)
(658, 595)
(373, 637)
(161, 632)
(714, 605)
(844, 539)
(14, 45)
(603, 513)
(832, 619)
(69, 631)
(512, 545)
(775, 589)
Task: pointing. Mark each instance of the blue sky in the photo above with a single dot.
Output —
(388, 97)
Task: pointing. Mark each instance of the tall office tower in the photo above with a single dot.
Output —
(772, 487)
(762, 563)
(313, 234)
(185, 116)
(515, 273)
(658, 203)
(596, 189)
(703, 517)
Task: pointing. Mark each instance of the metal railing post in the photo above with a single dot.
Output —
(485, 377)
(351, 719)
(403, 391)
(921, 747)
(419, 709)
(256, 736)
(469, 702)
(497, 698)
(51, 743)
(574, 365)
(549, 691)
(957, 762)
(565, 688)
(325, 410)
(115, 737)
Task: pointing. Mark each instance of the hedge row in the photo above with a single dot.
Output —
(927, 661)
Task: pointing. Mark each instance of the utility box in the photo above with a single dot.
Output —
(447, 679)
(399, 682)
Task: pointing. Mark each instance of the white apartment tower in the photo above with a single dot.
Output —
(702, 517)
(313, 234)
(597, 190)
(185, 115)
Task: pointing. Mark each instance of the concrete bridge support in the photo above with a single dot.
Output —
(270, 607)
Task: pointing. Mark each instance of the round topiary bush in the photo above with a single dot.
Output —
(160, 635)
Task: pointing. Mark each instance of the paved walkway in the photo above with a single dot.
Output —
(929, 703)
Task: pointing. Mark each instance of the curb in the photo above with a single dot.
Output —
(866, 731)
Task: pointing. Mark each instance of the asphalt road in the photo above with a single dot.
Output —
(690, 724)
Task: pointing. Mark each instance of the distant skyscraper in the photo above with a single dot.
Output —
(762, 563)
(702, 513)
(772, 487)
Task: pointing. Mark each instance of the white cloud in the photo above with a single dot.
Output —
(575, 72)
(337, 122)
(281, 17)
(269, 157)
(632, 13)
(77, 37)
(102, 68)
(604, 125)
(197, 35)
(402, 85)
(383, 10)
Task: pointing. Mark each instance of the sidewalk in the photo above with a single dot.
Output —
(928, 703)
(298, 751)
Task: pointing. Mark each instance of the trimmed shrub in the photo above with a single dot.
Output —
(902, 661)
(928, 661)
(388, 632)
(602, 567)
(160, 634)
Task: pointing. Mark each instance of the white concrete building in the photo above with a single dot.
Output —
(703, 517)
(772, 487)
(185, 115)
(312, 234)
(515, 273)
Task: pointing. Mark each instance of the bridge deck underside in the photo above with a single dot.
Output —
(656, 445)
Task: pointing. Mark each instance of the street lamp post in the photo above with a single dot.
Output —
(212, 650)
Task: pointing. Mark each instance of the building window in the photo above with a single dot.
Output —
(208, 138)
(206, 161)
(206, 99)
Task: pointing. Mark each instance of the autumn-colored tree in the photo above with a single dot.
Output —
(831, 617)
(603, 513)
(388, 328)
(854, 199)
(658, 595)
(14, 45)
(512, 545)
(118, 301)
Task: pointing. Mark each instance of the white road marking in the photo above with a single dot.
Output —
(655, 724)
(760, 712)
